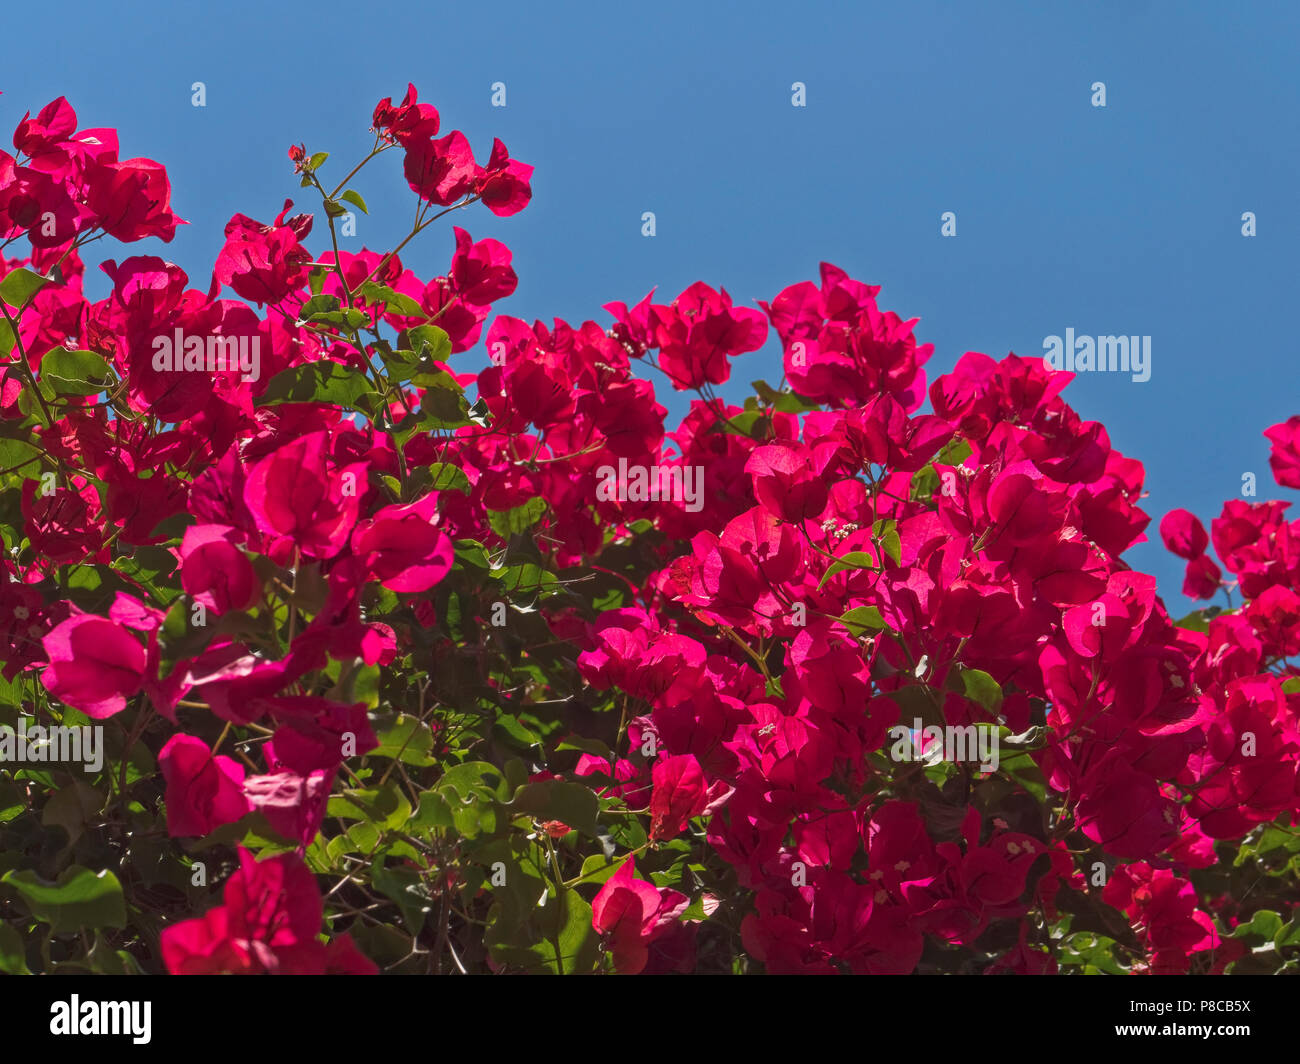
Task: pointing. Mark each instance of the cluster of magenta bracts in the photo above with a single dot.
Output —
(985, 536)
(1007, 572)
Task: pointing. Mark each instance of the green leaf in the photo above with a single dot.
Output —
(401, 365)
(783, 402)
(954, 452)
(353, 197)
(172, 527)
(571, 939)
(1265, 923)
(153, 561)
(319, 304)
(20, 285)
(74, 372)
(317, 382)
(507, 523)
(1199, 620)
(886, 533)
(348, 318)
(387, 806)
(471, 797)
(428, 341)
(510, 731)
(1270, 839)
(79, 899)
(18, 453)
(406, 887)
(446, 477)
(442, 404)
(1032, 738)
(408, 740)
(695, 912)
(1288, 936)
(525, 579)
(597, 868)
(746, 424)
(315, 162)
(855, 559)
(29, 402)
(612, 599)
(533, 930)
(1024, 770)
(982, 688)
(13, 959)
(470, 552)
(915, 701)
(1092, 951)
(104, 960)
(373, 292)
(13, 800)
(472, 778)
(587, 746)
(924, 483)
(863, 620)
(72, 808)
(364, 836)
(434, 812)
(571, 803)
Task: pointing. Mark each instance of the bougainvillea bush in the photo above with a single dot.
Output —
(324, 655)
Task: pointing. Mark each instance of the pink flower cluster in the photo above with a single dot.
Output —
(856, 563)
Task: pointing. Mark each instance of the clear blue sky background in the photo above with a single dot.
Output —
(1120, 220)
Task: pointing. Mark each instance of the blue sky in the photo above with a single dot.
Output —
(1117, 220)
